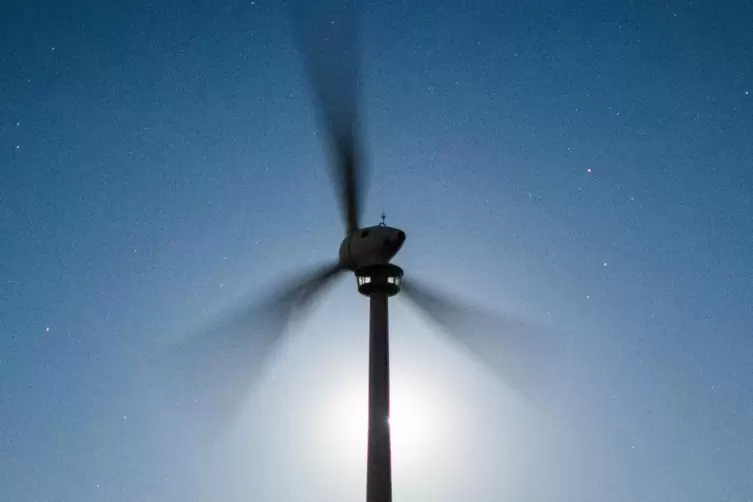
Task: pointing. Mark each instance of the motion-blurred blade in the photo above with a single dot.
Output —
(327, 34)
(525, 355)
(207, 376)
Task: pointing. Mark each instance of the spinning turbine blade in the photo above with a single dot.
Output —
(328, 42)
(209, 374)
(525, 355)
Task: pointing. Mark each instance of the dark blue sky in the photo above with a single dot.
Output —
(585, 165)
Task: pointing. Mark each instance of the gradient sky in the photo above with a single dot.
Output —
(586, 166)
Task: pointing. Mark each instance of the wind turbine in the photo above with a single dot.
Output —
(230, 352)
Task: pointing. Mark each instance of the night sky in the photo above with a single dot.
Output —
(585, 166)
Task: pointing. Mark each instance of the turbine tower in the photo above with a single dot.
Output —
(379, 283)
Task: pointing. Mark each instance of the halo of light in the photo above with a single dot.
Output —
(421, 420)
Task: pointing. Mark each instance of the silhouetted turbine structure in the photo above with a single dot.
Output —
(218, 366)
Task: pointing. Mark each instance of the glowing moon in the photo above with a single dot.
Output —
(420, 421)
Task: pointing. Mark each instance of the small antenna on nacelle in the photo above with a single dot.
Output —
(382, 224)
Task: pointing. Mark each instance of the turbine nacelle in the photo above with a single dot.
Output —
(375, 245)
